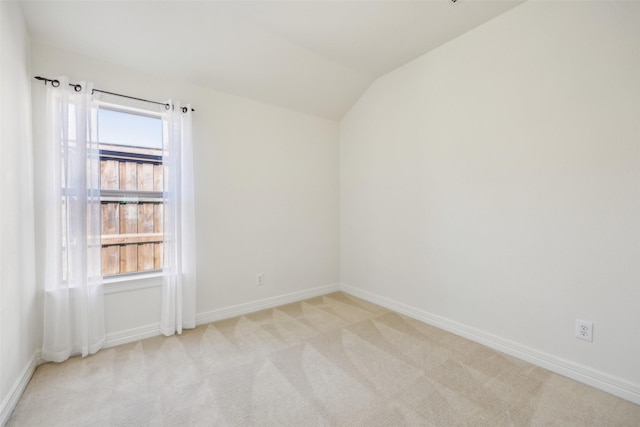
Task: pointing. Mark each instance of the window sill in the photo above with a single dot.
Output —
(135, 282)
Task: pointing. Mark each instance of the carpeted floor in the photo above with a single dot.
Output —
(332, 360)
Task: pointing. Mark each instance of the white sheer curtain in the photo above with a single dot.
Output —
(179, 268)
(73, 293)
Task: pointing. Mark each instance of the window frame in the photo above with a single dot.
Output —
(127, 281)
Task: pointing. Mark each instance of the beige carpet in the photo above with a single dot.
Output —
(332, 360)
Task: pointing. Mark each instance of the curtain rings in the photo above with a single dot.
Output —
(56, 83)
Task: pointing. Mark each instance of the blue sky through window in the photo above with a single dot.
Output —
(123, 128)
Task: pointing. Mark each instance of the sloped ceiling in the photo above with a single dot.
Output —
(316, 57)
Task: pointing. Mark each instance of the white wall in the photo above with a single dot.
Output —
(267, 193)
(493, 186)
(19, 333)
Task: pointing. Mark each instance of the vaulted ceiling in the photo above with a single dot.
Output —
(316, 57)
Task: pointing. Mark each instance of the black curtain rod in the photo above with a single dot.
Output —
(78, 88)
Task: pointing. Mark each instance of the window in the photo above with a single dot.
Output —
(131, 185)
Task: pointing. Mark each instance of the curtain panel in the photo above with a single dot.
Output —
(73, 292)
(179, 252)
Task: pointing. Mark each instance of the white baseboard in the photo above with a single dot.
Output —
(152, 330)
(600, 380)
(11, 399)
(249, 307)
(131, 335)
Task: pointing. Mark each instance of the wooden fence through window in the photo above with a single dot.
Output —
(132, 212)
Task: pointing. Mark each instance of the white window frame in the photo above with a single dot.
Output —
(131, 281)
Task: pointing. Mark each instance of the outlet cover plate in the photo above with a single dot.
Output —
(584, 330)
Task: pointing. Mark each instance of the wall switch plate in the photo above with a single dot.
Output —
(259, 279)
(584, 330)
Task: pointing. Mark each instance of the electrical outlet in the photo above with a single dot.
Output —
(584, 330)
(259, 279)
